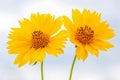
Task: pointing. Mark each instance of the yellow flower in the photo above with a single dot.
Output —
(88, 33)
(35, 37)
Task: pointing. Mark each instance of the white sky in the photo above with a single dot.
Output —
(106, 67)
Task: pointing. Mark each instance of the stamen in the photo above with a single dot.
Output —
(39, 39)
(84, 35)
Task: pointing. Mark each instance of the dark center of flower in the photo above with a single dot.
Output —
(84, 35)
(39, 39)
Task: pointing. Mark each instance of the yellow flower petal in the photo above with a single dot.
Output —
(105, 35)
(68, 24)
(34, 56)
(103, 45)
(92, 50)
(41, 56)
(81, 53)
(57, 25)
(76, 15)
(15, 50)
(84, 17)
(57, 42)
(23, 58)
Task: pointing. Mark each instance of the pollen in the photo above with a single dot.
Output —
(39, 39)
(84, 35)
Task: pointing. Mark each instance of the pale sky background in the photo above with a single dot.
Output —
(105, 67)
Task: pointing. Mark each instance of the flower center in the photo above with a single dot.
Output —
(84, 35)
(39, 39)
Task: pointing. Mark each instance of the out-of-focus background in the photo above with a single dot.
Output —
(105, 67)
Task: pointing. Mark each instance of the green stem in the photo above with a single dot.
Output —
(42, 73)
(71, 71)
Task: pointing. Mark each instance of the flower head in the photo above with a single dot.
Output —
(88, 33)
(35, 37)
